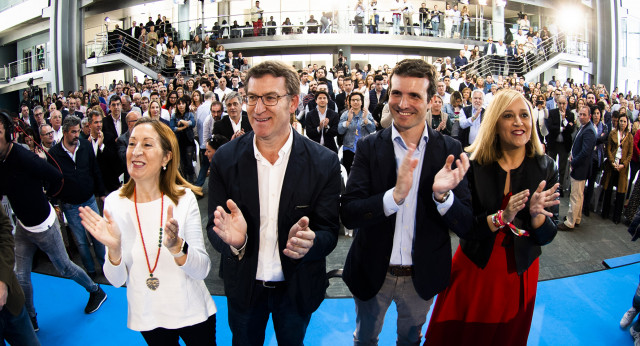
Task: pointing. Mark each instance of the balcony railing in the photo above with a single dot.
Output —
(529, 58)
(24, 66)
(141, 52)
(342, 22)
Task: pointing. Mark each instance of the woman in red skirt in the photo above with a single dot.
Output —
(494, 276)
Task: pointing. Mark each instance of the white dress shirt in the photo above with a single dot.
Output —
(270, 180)
(57, 135)
(322, 116)
(469, 122)
(236, 127)
(118, 124)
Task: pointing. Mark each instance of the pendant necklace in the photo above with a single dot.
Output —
(152, 282)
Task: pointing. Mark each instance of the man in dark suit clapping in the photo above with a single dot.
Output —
(404, 196)
(273, 214)
(322, 122)
(234, 124)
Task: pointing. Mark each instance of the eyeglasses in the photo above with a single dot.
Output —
(50, 133)
(267, 100)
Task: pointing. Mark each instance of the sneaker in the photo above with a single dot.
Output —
(34, 323)
(628, 317)
(635, 335)
(95, 301)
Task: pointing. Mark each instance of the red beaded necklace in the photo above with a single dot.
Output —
(152, 282)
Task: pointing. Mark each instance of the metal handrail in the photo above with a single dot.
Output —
(501, 65)
(104, 44)
(338, 22)
(24, 66)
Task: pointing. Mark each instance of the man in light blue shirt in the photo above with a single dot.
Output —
(403, 195)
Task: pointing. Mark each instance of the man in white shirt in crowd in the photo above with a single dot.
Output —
(222, 89)
(56, 123)
(471, 117)
(440, 90)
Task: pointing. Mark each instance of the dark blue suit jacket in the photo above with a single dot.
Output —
(581, 152)
(372, 174)
(311, 188)
(311, 127)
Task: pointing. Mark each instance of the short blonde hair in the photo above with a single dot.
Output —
(486, 147)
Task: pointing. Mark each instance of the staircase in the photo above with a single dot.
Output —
(107, 49)
(556, 49)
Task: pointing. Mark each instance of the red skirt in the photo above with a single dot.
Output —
(490, 306)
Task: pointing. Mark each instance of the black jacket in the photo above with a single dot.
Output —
(234, 175)
(110, 163)
(224, 127)
(82, 178)
(487, 185)
(372, 174)
(554, 126)
(311, 128)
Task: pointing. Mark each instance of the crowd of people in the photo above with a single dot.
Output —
(126, 163)
(156, 44)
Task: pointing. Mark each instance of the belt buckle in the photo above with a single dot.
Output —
(264, 284)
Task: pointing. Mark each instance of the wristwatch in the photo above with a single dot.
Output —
(183, 250)
(444, 197)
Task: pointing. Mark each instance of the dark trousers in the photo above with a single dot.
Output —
(186, 161)
(558, 149)
(588, 190)
(203, 333)
(204, 168)
(634, 166)
(347, 159)
(606, 206)
(248, 326)
(17, 330)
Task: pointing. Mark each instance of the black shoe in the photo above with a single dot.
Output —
(563, 227)
(34, 323)
(95, 301)
(576, 224)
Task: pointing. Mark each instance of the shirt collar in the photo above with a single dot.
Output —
(67, 150)
(395, 136)
(281, 153)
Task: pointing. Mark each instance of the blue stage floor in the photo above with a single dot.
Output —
(580, 310)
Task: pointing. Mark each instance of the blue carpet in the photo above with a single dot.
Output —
(621, 261)
(580, 310)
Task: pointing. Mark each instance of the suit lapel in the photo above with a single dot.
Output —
(386, 167)
(249, 192)
(291, 182)
(431, 163)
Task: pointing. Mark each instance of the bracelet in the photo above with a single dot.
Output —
(500, 219)
(517, 231)
(496, 219)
